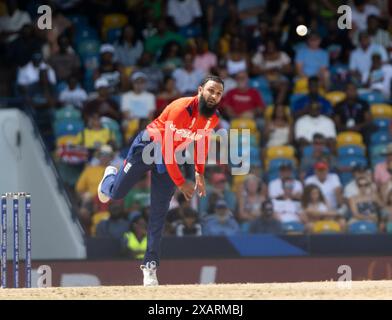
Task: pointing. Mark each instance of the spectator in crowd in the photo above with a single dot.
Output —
(275, 187)
(188, 78)
(116, 225)
(237, 59)
(29, 75)
(361, 57)
(205, 60)
(267, 221)
(87, 185)
(155, 43)
(383, 170)
(351, 189)
(286, 208)
(186, 15)
(189, 225)
(243, 101)
(129, 48)
(313, 60)
(361, 10)
(175, 214)
(110, 70)
(152, 71)
(165, 96)
(380, 77)
(329, 184)
(299, 106)
(139, 196)
(73, 94)
(229, 81)
(250, 196)
(366, 205)
(278, 130)
(138, 103)
(308, 125)
(319, 152)
(65, 62)
(377, 34)
(13, 21)
(249, 10)
(275, 65)
(221, 223)
(170, 58)
(135, 240)
(218, 187)
(94, 135)
(316, 208)
(103, 104)
(217, 13)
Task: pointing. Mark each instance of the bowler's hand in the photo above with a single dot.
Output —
(188, 188)
(200, 185)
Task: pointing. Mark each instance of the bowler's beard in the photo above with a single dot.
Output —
(205, 110)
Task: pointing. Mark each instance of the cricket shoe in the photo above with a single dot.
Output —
(149, 274)
(108, 171)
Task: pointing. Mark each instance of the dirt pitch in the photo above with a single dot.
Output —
(300, 290)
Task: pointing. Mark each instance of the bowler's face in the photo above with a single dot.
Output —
(212, 92)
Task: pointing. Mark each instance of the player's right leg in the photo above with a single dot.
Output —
(115, 185)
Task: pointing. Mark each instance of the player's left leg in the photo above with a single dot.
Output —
(162, 190)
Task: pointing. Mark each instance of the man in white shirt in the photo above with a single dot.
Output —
(275, 187)
(361, 57)
(138, 103)
(73, 94)
(314, 123)
(30, 73)
(12, 23)
(188, 78)
(360, 11)
(286, 209)
(329, 184)
(183, 12)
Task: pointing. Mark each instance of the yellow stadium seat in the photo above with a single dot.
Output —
(349, 137)
(67, 140)
(131, 129)
(301, 87)
(326, 226)
(381, 110)
(334, 97)
(246, 123)
(237, 181)
(97, 218)
(280, 152)
(270, 110)
(113, 20)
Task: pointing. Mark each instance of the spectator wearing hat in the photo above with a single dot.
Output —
(267, 222)
(116, 225)
(110, 70)
(286, 207)
(383, 172)
(103, 104)
(361, 58)
(189, 224)
(320, 152)
(313, 60)
(137, 103)
(217, 189)
(309, 124)
(221, 223)
(329, 184)
(187, 77)
(275, 187)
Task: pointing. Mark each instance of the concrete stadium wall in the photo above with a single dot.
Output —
(24, 167)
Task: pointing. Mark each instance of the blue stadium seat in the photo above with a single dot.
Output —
(80, 21)
(293, 227)
(363, 227)
(380, 137)
(372, 97)
(351, 161)
(308, 151)
(274, 164)
(351, 150)
(382, 124)
(113, 35)
(67, 127)
(262, 86)
(88, 47)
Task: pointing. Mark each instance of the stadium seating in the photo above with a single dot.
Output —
(362, 227)
(372, 97)
(334, 97)
(351, 151)
(381, 110)
(67, 127)
(380, 137)
(293, 228)
(113, 21)
(349, 138)
(326, 227)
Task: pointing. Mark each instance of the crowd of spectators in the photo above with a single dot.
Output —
(318, 106)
